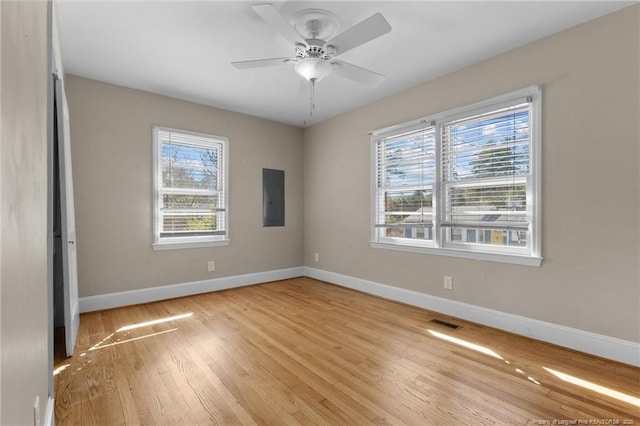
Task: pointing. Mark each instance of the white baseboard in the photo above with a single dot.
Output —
(595, 344)
(154, 294)
(48, 414)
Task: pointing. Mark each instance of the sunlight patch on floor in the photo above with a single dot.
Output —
(61, 369)
(595, 387)
(153, 322)
(101, 346)
(473, 346)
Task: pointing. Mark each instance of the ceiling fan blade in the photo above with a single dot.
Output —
(358, 74)
(273, 17)
(369, 29)
(259, 63)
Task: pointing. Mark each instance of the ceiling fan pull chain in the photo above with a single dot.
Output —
(312, 97)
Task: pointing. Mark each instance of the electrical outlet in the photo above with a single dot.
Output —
(316, 257)
(211, 266)
(36, 412)
(448, 282)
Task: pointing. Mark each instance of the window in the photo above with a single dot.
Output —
(462, 183)
(405, 176)
(190, 189)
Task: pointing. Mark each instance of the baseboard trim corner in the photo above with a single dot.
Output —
(154, 294)
(595, 344)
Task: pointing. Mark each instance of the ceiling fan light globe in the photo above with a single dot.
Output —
(313, 69)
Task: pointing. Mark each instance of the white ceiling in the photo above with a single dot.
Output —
(183, 49)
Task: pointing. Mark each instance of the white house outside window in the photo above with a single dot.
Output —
(462, 183)
(190, 189)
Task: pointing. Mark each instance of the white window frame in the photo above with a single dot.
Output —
(530, 255)
(204, 141)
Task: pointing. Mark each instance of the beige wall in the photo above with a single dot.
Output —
(589, 279)
(111, 152)
(24, 310)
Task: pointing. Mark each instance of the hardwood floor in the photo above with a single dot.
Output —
(302, 351)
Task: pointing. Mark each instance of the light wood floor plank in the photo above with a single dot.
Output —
(301, 351)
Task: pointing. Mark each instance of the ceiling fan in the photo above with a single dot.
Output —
(314, 56)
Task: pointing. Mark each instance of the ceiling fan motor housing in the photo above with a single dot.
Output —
(315, 48)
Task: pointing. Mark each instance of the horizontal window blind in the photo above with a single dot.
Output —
(405, 175)
(190, 186)
(485, 170)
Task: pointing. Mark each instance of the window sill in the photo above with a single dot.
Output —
(513, 259)
(187, 245)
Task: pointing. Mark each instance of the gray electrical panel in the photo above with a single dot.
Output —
(272, 197)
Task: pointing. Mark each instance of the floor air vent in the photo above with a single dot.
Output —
(446, 324)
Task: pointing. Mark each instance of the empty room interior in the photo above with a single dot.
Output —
(319, 212)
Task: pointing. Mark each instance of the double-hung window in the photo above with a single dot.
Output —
(190, 189)
(405, 179)
(462, 183)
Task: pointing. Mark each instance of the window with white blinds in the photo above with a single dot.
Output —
(190, 189)
(405, 181)
(462, 183)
